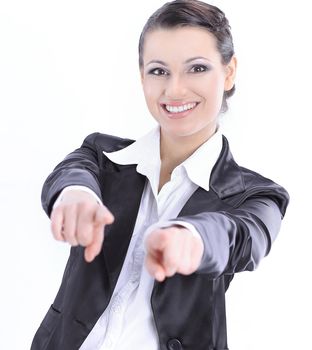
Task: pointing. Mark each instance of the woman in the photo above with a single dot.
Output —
(180, 216)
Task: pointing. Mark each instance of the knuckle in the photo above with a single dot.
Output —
(70, 237)
(87, 206)
(183, 270)
(84, 238)
(164, 236)
(171, 261)
(69, 233)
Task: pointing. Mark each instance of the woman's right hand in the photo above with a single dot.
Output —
(80, 220)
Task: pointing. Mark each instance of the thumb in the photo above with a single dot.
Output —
(103, 216)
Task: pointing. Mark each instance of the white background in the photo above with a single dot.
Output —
(68, 68)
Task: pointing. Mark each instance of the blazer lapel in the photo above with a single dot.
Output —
(121, 192)
(226, 177)
(121, 188)
(225, 181)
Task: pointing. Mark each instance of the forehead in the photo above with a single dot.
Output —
(180, 44)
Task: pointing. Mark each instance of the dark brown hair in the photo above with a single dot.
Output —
(193, 13)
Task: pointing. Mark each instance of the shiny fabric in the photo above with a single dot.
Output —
(242, 209)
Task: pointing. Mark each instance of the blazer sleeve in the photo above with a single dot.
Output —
(80, 167)
(237, 239)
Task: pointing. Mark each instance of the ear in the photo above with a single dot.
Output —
(230, 74)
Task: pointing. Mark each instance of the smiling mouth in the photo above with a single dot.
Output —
(180, 108)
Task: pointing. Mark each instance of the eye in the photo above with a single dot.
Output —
(199, 68)
(158, 72)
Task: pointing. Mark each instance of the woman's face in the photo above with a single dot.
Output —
(184, 80)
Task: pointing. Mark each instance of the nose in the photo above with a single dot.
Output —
(175, 88)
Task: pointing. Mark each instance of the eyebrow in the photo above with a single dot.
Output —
(187, 61)
(196, 58)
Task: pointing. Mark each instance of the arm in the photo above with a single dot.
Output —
(236, 240)
(231, 241)
(77, 214)
(80, 167)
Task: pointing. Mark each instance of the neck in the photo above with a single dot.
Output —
(174, 150)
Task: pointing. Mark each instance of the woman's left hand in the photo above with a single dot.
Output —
(172, 250)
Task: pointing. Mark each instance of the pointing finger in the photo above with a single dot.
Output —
(92, 250)
(154, 268)
(103, 216)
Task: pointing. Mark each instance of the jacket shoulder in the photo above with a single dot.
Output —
(235, 184)
(259, 185)
(105, 142)
(252, 178)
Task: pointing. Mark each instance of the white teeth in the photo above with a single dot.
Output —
(178, 109)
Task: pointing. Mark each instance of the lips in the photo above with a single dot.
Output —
(178, 110)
